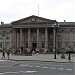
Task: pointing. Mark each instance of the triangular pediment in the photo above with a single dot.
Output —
(33, 19)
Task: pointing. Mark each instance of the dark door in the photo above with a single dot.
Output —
(34, 45)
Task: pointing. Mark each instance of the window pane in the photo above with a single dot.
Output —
(42, 45)
(26, 45)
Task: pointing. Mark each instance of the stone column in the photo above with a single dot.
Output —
(4, 41)
(37, 38)
(46, 38)
(20, 37)
(13, 38)
(29, 38)
(17, 40)
(54, 40)
(13, 50)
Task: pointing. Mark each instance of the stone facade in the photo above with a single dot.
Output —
(37, 33)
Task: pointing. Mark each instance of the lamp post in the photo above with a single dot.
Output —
(55, 27)
(58, 43)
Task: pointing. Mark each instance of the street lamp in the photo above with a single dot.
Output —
(58, 43)
(55, 26)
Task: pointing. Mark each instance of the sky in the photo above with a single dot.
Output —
(60, 10)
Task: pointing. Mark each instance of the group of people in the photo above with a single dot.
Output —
(3, 54)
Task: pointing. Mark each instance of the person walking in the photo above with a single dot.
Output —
(33, 53)
(37, 53)
(8, 54)
(3, 54)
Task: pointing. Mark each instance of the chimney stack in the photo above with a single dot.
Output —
(64, 20)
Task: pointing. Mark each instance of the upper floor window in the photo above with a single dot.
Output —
(42, 35)
(7, 36)
(0, 45)
(0, 35)
(26, 35)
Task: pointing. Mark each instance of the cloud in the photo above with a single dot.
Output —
(53, 9)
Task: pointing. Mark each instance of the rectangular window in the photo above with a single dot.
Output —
(74, 45)
(0, 45)
(7, 46)
(34, 36)
(26, 35)
(42, 35)
(0, 35)
(43, 45)
(7, 36)
(26, 45)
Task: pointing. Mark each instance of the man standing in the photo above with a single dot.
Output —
(3, 54)
(69, 51)
(8, 52)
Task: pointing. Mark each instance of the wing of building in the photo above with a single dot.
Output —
(37, 33)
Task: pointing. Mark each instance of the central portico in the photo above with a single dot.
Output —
(34, 32)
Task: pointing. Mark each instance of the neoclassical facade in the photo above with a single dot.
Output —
(38, 33)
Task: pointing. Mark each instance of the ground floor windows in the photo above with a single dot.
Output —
(43, 45)
(0, 45)
(26, 45)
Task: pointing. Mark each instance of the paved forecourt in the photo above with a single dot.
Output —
(41, 57)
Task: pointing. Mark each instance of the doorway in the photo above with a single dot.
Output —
(34, 45)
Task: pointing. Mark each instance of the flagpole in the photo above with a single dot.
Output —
(38, 9)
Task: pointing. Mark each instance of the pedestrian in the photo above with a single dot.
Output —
(69, 51)
(33, 52)
(3, 54)
(8, 54)
(37, 53)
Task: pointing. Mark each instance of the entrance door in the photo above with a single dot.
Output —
(34, 45)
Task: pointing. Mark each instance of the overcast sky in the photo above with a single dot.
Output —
(60, 10)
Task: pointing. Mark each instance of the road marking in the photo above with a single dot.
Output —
(23, 65)
(44, 67)
(61, 68)
(10, 72)
(2, 73)
(30, 71)
(37, 66)
(69, 69)
(3, 60)
(18, 72)
(61, 65)
(57, 65)
(52, 68)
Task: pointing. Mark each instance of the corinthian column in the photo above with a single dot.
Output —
(29, 38)
(46, 38)
(37, 37)
(17, 40)
(13, 38)
(54, 40)
(20, 37)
